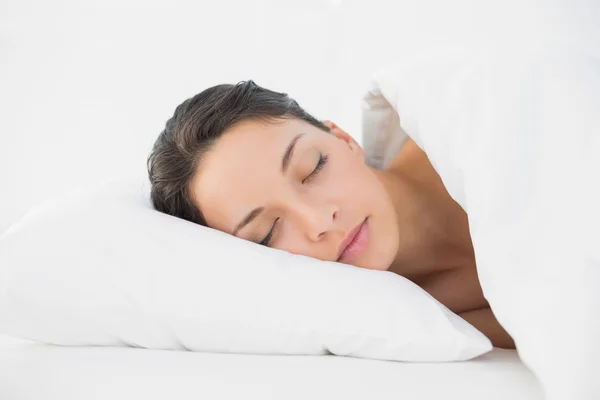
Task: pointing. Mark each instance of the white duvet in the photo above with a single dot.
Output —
(514, 132)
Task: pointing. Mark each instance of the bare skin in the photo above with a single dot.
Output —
(454, 283)
(325, 190)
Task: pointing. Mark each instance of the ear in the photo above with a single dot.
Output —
(345, 137)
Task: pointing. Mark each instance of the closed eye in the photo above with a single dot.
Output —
(267, 240)
(320, 164)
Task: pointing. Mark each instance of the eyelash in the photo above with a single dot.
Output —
(320, 164)
(267, 239)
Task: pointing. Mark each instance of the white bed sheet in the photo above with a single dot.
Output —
(33, 371)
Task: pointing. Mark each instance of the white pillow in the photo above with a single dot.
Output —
(100, 266)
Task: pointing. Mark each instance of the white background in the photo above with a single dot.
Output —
(86, 86)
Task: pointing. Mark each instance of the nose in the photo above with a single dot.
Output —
(316, 221)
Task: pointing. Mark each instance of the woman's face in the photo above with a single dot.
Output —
(305, 201)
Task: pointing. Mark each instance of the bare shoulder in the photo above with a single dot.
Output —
(412, 161)
(408, 154)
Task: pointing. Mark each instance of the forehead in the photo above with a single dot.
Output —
(242, 167)
(250, 144)
(256, 135)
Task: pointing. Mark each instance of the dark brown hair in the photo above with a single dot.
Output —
(193, 130)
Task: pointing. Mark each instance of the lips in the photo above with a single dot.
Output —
(354, 243)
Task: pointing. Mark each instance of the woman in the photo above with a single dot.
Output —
(251, 162)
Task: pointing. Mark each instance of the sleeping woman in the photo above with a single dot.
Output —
(252, 163)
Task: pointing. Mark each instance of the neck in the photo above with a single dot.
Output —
(434, 233)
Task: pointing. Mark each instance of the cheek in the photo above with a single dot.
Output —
(351, 178)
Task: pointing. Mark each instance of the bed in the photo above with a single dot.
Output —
(35, 371)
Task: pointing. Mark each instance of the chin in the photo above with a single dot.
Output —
(377, 265)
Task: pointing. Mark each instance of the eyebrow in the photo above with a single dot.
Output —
(287, 156)
(285, 163)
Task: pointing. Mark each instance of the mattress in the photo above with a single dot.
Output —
(36, 371)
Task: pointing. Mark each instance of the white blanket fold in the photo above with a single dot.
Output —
(514, 133)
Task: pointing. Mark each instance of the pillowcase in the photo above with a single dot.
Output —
(100, 266)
